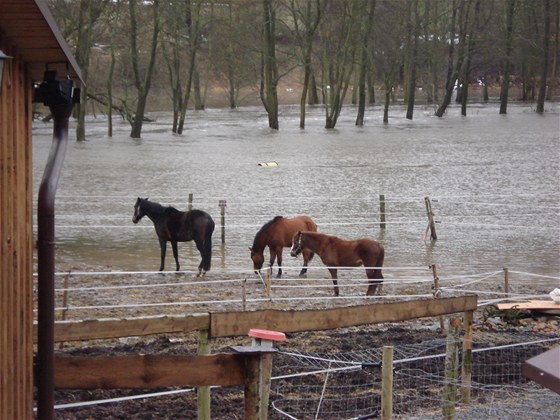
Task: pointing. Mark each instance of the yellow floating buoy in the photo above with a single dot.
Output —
(268, 164)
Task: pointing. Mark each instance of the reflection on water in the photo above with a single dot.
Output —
(493, 179)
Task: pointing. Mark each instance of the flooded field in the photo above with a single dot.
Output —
(493, 181)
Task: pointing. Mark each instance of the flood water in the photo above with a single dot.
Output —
(494, 182)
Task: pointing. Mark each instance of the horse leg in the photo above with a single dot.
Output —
(273, 252)
(200, 247)
(162, 247)
(334, 275)
(175, 254)
(307, 256)
(374, 274)
(279, 262)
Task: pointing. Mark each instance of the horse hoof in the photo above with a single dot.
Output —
(303, 275)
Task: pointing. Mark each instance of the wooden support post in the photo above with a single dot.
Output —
(65, 296)
(244, 297)
(203, 392)
(64, 302)
(451, 369)
(222, 205)
(190, 202)
(506, 280)
(431, 222)
(268, 286)
(259, 370)
(382, 211)
(466, 366)
(387, 383)
(437, 293)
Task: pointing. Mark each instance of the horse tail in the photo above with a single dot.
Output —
(207, 245)
(379, 262)
(311, 225)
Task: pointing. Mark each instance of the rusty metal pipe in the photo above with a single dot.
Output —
(46, 261)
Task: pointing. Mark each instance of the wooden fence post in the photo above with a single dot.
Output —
(203, 392)
(451, 369)
(268, 286)
(466, 366)
(190, 202)
(244, 297)
(259, 370)
(382, 211)
(437, 293)
(64, 302)
(387, 383)
(222, 205)
(431, 223)
(506, 280)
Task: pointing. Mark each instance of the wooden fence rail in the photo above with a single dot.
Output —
(224, 324)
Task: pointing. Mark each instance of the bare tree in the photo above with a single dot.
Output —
(306, 19)
(545, 54)
(412, 39)
(142, 80)
(366, 29)
(338, 50)
(504, 91)
(269, 72)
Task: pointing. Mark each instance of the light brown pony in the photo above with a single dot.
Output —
(336, 252)
(277, 234)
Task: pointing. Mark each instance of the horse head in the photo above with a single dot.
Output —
(138, 210)
(258, 259)
(296, 245)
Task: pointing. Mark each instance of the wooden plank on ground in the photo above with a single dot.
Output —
(532, 304)
(223, 324)
(127, 327)
(148, 371)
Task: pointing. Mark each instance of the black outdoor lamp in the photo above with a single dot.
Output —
(3, 58)
(55, 91)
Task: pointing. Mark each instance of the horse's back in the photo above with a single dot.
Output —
(297, 224)
(370, 250)
(200, 221)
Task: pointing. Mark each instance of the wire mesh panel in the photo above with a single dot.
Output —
(348, 385)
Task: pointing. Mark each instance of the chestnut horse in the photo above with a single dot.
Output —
(177, 226)
(277, 234)
(336, 252)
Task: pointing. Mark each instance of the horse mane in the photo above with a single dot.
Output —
(156, 208)
(264, 229)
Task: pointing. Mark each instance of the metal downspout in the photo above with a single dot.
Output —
(46, 261)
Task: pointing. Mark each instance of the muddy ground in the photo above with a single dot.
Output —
(224, 292)
(227, 403)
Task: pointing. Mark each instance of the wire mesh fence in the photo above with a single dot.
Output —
(348, 385)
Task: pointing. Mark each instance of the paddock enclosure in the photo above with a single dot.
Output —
(488, 185)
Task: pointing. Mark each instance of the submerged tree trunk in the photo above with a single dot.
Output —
(469, 54)
(544, 68)
(306, 21)
(193, 23)
(269, 73)
(453, 70)
(413, 61)
(363, 69)
(142, 86)
(504, 91)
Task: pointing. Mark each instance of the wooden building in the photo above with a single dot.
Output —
(30, 37)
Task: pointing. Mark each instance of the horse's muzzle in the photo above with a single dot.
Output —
(134, 220)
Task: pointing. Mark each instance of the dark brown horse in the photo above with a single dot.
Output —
(336, 252)
(177, 226)
(277, 234)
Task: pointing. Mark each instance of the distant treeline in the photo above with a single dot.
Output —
(177, 55)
